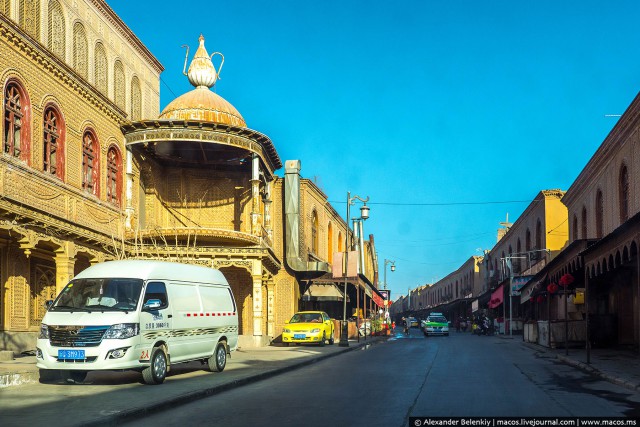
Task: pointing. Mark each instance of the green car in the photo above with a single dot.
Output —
(435, 324)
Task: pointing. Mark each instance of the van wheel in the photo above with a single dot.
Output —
(156, 372)
(218, 360)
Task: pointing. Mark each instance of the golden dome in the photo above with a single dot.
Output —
(203, 104)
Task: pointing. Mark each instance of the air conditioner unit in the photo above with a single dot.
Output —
(535, 256)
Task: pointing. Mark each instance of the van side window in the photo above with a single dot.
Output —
(233, 300)
(156, 290)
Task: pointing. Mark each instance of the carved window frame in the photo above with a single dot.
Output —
(90, 163)
(53, 136)
(16, 118)
(114, 176)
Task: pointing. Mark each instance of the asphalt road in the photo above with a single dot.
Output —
(385, 384)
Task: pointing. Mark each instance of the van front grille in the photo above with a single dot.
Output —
(76, 336)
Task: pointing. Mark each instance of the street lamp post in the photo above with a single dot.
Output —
(393, 268)
(364, 214)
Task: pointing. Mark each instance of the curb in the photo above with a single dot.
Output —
(589, 369)
(117, 419)
(14, 379)
(594, 371)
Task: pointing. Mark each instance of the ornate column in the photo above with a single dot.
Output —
(256, 275)
(65, 264)
(267, 211)
(129, 190)
(271, 321)
(255, 195)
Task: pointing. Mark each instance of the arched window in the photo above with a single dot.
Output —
(56, 42)
(90, 164)
(136, 99)
(527, 240)
(16, 122)
(314, 232)
(539, 235)
(330, 242)
(623, 192)
(28, 16)
(53, 142)
(101, 69)
(575, 227)
(118, 84)
(340, 242)
(584, 222)
(599, 214)
(518, 246)
(114, 178)
(80, 50)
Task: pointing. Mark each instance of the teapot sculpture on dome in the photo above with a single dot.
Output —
(202, 72)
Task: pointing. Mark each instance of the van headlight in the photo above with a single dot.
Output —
(315, 330)
(122, 331)
(44, 332)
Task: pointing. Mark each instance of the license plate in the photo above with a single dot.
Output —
(71, 354)
(299, 336)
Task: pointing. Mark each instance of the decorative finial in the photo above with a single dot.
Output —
(202, 72)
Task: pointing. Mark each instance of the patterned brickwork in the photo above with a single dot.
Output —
(89, 29)
(196, 198)
(43, 288)
(17, 299)
(29, 13)
(242, 288)
(602, 173)
(285, 302)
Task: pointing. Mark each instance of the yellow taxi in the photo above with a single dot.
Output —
(314, 327)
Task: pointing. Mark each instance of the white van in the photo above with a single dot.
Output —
(139, 315)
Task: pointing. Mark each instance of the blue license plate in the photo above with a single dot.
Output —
(71, 354)
(299, 336)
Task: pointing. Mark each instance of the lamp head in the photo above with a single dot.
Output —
(364, 211)
(393, 267)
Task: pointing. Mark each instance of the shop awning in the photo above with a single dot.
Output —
(497, 297)
(323, 292)
(530, 288)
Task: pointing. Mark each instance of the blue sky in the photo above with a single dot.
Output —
(447, 114)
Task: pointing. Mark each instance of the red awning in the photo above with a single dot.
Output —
(378, 300)
(497, 297)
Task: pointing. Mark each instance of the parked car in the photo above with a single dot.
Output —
(314, 327)
(435, 324)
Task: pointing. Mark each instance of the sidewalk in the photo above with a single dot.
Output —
(24, 401)
(618, 366)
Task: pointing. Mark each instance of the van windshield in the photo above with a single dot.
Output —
(100, 295)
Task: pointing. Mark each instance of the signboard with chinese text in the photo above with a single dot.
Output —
(518, 283)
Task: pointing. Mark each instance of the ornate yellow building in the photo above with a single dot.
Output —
(92, 171)
(70, 77)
